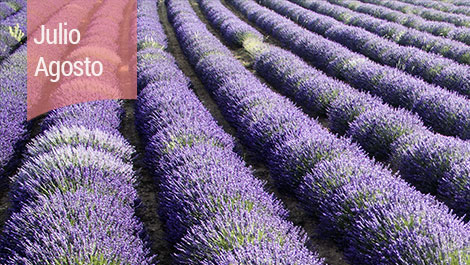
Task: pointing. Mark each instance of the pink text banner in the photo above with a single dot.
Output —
(80, 51)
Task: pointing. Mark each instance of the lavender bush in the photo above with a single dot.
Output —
(75, 136)
(7, 9)
(71, 164)
(105, 115)
(233, 32)
(74, 227)
(149, 28)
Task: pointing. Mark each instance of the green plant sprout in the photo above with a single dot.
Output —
(16, 32)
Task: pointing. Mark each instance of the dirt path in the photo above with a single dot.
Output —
(146, 189)
(4, 205)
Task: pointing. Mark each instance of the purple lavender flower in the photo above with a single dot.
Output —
(347, 108)
(221, 18)
(426, 13)
(79, 227)
(444, 29)
(379, 127)
(240, 233)
(105, 114)
(200, 182)
(150, 32)
(454, 187)
(75, 136)
(13, 126)
(6, 9)
(70, 168)
(424, 158)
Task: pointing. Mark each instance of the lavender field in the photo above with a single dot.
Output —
(264, 132)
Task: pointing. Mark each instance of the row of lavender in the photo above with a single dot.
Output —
(392, 31)
(447, 30)
(150, 32)
(13, 126)
(426, 13)
(10, 7)
(444, 111)
(72, 201)
(432, 68)
(456, 2)
(12, 26)
(433, 163)
(441, 6)
(379, 218)
(214, 208)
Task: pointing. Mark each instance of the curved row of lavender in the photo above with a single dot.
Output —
(441, 6)
(214, 208)
(443, 29)
(8, 8)
(432, 68)
(378, 217)
(392, 31)
(150, 31)
(426, 13)
(230, 27)
(73, 199)
(13, 125)
(444, 111)
(9, 43)
(456, 2)
(431, 162)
